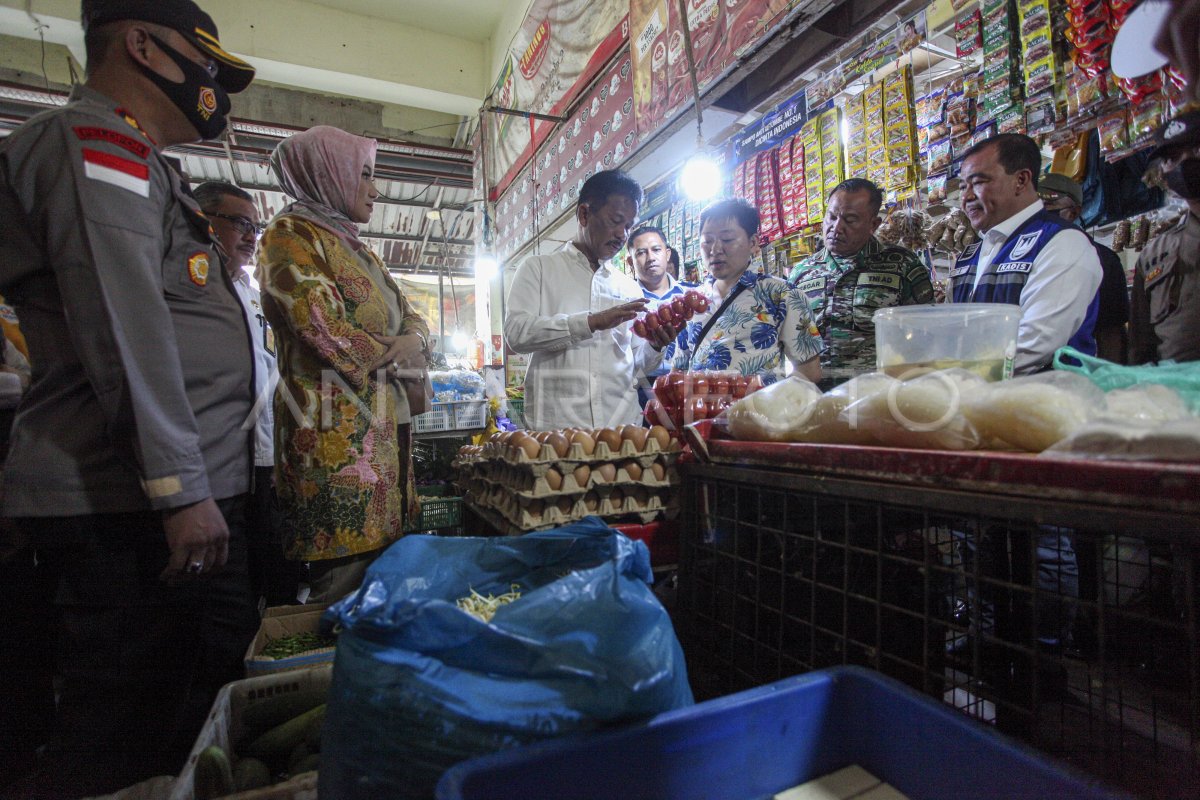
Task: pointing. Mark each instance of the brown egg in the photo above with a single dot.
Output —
(559, 442)
(659, 471)
(554, 479)
(617, 498)
(565, 505)
(530, 446)
(607, 472)
(515, 444)
(585, 441)
(661, 435)
(583, 473)
(609, 437)
(535, 508)
(541, 435)
(633, 469)
(591, 501)
(637, 434)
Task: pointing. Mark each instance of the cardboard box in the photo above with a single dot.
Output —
(284, 621)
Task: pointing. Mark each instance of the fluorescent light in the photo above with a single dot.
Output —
(459, 340)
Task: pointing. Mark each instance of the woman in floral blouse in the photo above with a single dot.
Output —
(345, 335)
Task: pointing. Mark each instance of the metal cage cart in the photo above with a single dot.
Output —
(1053, 599)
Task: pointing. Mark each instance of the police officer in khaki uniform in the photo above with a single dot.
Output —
(854, 276)
(1164, 315)
(129, 460)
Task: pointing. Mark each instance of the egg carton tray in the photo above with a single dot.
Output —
(574, 454)
(536, 484)
(538, 468)
(517, 510)
(506, 526)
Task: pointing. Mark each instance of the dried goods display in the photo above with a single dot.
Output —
(952, 233)
(905, 227)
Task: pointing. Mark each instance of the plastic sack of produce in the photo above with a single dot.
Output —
(419, 684)
(924, 412)
(1183, 378)
(1032, 412)
(1148, 422)
(777, 413)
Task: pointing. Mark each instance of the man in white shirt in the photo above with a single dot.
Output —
(1028, 256)
(571, 311)
(236, 223)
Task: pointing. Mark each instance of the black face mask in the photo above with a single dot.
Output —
(199, 96)
(1184, 179)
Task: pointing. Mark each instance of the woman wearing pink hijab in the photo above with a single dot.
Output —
(345, 334)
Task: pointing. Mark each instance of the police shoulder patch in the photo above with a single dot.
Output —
(198, 268)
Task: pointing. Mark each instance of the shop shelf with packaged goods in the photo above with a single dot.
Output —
(1055, 600)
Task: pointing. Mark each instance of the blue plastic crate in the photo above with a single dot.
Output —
(750, 745)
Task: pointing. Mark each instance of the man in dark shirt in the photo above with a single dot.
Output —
(1064, 197)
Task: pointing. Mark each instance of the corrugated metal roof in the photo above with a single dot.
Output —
(400, 231)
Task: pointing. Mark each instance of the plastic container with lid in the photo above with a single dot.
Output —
(980, 337)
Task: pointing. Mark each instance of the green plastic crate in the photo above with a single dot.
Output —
(516, 412)
(438, 513)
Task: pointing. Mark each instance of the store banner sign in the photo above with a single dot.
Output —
(599, 135)
(721, 31)
(772, 129)
(557, 52)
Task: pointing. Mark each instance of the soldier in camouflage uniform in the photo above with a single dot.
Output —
(852, 277)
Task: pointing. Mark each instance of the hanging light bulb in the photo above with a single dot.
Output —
(486, 267)
(701, 178)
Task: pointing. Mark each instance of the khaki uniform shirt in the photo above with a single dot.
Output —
(1164, 316)
(142, 372)
(843, 294)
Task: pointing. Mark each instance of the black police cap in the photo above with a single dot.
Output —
(183, 16)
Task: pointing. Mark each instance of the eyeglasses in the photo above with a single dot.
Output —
(242, 225)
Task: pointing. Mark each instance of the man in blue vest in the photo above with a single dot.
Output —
(1033, 258)
(650, 256)
(1026, 255)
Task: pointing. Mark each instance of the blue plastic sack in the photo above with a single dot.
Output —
(419, 685)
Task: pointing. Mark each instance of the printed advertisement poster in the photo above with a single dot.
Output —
(599, 135)
(560, 47)
(721, 31)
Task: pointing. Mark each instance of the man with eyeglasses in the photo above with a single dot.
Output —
(128, 467)
(1063, 196)
(236, 222)
(1026, 256)
(1164, 319)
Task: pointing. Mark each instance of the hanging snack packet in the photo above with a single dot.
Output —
(1114, 135)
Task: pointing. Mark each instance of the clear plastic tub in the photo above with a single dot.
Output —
(980, 337)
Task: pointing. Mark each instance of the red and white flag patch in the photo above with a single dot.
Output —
(129, 175)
